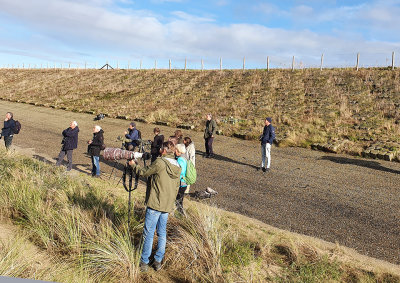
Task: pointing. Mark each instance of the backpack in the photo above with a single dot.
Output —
(191, 173)
(139, 134)
(17, 128)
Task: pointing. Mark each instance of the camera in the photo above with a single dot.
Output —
(111, 153)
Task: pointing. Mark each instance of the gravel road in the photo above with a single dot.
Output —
(352, 201)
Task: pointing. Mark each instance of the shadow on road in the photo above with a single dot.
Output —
(226, 159)
(359, 162)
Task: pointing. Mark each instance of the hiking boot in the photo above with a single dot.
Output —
(156, 265)
(144, 267)
(264, 169)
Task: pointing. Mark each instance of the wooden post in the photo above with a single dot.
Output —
(169, 64)
(185, 64)
(322, 61)
(23, 65)
(140, 64)
(85, 65)
(202, 65)
(393, 60)
(358, 61)
(220, 64)
(293, 64)
(244, 63)
(117, 65)
(267, 63)
(155, 64)
(129, 63)
(69, 65)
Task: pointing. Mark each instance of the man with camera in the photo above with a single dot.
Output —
(69, 143)
(8, 130)
(161, 193)
(132, 135)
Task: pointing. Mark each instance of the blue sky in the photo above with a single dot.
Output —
(44, 32)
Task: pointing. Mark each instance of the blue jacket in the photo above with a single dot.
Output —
(183, 164)
(8, 129)
(268, 135)
(133, 135)
(70, 138)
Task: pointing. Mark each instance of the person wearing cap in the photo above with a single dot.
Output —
(267, 139)
(132, 134)
(69, 143)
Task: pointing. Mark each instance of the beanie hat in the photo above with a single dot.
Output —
(268, 119)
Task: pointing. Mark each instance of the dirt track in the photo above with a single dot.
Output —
(352, 201)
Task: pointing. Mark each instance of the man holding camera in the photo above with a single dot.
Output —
(132, 134)
(69, 143)
(8, 130)
(161, 193)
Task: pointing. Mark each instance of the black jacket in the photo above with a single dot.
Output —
(268, 135)
(70, 138)
(97, 142)
(157, 144)
(8, 129)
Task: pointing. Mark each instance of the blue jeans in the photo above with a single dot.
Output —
(95, 165)
(152, 220)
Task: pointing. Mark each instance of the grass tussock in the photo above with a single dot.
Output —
(73, 229)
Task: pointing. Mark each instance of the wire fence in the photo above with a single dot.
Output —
(357, 60)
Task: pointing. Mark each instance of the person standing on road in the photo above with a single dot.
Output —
(95, 146)
(267, 139)
(209, 133)
(8, 130)
(156, 144)
(69, 143)
(132, 134)
(180, 151)
(190, 154)
(164, 175)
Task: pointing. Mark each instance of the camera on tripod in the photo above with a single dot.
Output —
(111, 153)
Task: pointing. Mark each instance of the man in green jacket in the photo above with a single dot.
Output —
(209, 133)
(164, 175)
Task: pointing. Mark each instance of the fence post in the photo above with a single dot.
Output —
(267, 63)
(140, 64)
(293, 64)
(322, 61)
(129, 63)
(169, 64)
(358, 61)
(220, 63)
(202, 65)
(185, 64)
(155, 65)
(393, 60)
(244, 63)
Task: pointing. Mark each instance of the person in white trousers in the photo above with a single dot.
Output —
(267, 138)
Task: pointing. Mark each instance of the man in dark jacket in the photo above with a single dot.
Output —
(156, 144)
(164, 175)
(95, 146)
(267, 138)
(8, 130)
(69, 143)
(209, 133)
(132, 134)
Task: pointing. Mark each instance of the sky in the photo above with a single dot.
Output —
(130, 33)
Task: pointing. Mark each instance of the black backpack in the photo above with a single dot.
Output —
(17, 128)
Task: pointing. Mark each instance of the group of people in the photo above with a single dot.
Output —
(166, 186)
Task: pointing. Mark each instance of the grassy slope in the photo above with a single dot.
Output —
(72, 229)
(307, 106)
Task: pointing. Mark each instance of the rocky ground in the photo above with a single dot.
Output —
(349, 200)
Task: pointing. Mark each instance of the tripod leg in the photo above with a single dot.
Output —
(129, 210)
